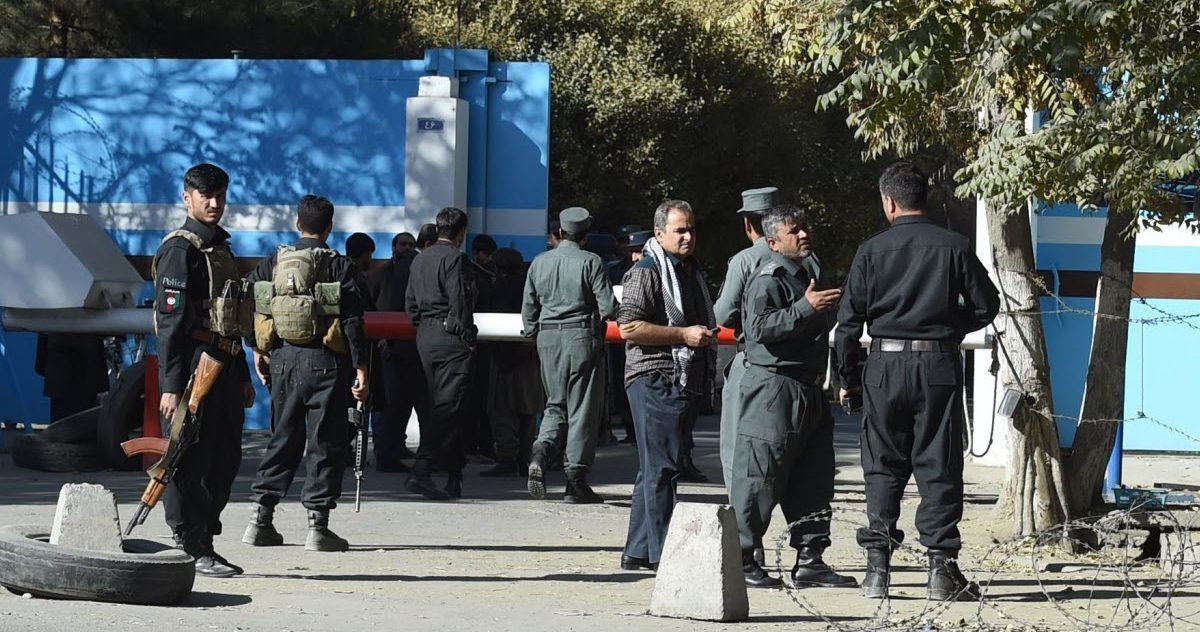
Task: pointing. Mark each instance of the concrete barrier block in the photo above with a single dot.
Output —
(700, 573)
(1180, 554)
(86, 518)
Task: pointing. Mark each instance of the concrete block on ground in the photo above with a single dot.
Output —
(700, 573)
(1180, 554)
(86, 518)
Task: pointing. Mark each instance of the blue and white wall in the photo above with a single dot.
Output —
(1161, 394)
(113, 137)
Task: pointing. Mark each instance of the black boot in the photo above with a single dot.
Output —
(207, 563)
(689, 473)
(537, 472)
(261, 531)
(579, 492)
(419, 482)
(875, 582)
(946, 581)
(811, 570)
(756, 576)
(505, 466)
(320, 538)
(454, 485)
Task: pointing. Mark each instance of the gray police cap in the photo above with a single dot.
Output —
(759, 200)
(575, 220)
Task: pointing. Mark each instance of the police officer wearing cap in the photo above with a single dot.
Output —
(567, 297)
(728, 309)
(919, 289)
(783, 452)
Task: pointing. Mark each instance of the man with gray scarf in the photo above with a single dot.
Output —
(666, 318)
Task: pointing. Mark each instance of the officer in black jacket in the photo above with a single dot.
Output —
(919, 289)
(403, 378)
(190, 262)
(309, 386)
(440, 300)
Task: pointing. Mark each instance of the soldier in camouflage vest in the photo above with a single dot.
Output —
(311, 349)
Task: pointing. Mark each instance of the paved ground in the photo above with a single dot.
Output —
(498, 560)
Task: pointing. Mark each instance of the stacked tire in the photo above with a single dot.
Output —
(89, 440)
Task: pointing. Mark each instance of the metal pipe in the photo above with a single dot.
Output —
(379, 325)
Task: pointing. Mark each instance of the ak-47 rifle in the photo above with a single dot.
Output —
(185, 428)
(359, 421)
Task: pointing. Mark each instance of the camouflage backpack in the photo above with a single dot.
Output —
(300, 300)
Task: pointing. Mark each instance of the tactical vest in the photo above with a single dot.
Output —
(229, 309)
(300, 300)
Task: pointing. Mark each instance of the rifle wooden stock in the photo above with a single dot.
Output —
(153, 493)
(204, 378)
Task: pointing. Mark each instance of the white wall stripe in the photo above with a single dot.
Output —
(282, 217)
(1070, 230)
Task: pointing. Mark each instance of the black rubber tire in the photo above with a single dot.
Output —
(147, 573)
(33, 452)
(77, 428)
(120, 416)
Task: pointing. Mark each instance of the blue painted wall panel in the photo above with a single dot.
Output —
(1161, 377)
(123, 131)
(1068, 342)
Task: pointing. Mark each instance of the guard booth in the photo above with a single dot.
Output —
(390, 142)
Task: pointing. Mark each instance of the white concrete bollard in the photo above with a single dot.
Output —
(86, 518)
(700, 573)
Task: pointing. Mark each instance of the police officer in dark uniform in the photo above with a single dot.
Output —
(919, 289)
(75, 370)
(440, 301)
(190, 262)
(477, 428)
(403, 378)
(310, 382)
(783, 452)
(567, 297)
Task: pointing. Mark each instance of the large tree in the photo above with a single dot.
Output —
(1092, 102)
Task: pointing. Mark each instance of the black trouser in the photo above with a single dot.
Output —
(200, 489)
(446, 359)
(783, 455)
(310, 396)
(912, 425)
(616, 379)
(661, 412)
(477, 427)
(404, 381)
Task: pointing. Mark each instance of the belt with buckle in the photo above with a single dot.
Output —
(232, 346)
(800, 374)
(894, 345)
(578, 324)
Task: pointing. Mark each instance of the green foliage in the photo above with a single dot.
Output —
(1119, 83)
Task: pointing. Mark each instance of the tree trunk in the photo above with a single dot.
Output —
(1104, 392)
(58, 31)
(1034, 496)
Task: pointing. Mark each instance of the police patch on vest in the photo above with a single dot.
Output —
(172, 301)
(171, 282)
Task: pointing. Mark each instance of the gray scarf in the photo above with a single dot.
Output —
(687, 365)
